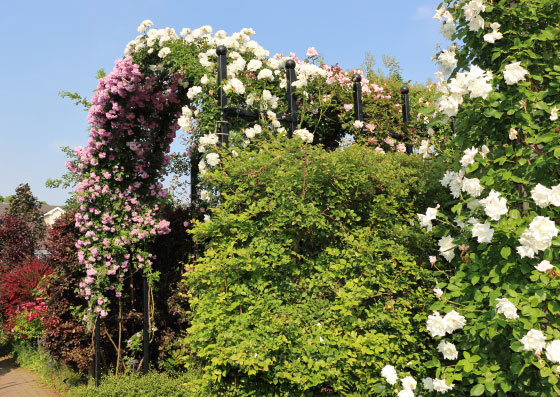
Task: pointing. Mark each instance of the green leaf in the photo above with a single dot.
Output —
(505, 252)
(477, 390)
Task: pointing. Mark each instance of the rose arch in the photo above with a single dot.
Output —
(168, 81)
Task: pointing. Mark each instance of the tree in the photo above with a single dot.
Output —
(25, 206)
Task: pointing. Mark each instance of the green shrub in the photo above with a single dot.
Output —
(315, 274)
(133, 385)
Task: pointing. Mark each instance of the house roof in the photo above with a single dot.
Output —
(44, 208)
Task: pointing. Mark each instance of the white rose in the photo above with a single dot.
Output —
(441, 387)
(476, 23)
(193, 92)
(143, 25)
(254, 65)
(447, 29)
(265, 74)
(553, 351)
(390, 374)
(514, 73)
(304, 135)
(554, 114)
(483, 232)
(508, 309)
(408, 382)
(534, 340)
(448, 350)
(438, 292)
(428, 384)
(541, 195)
(494, 205)
(213, 159)
(453, 321)
(436, 325)
(165, 51)
(469, 156)
(447, 248)
(544, 266)
(555, 196)
(405, 393)
(472, 186)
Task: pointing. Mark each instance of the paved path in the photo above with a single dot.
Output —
(20, 382)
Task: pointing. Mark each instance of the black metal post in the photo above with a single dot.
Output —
(292, 105)
(406, 114)
(221, 51)
(405, 104)
(96, 373)
(146, 335)
(453, 125)
(358, 112)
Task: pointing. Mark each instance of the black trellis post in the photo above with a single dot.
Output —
(146, 332)
(221, 51)
(96, 373)
(358, 112)
(292, 105)
(453, 125)
(406, 114)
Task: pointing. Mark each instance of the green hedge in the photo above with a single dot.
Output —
(315, 274)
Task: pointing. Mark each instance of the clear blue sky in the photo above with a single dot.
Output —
(55, 45)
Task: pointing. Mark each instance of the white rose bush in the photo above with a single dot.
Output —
(498, 232)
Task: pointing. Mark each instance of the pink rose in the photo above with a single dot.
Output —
(311, 52)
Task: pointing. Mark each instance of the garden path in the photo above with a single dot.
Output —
(20, 382)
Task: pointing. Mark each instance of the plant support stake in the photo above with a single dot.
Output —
(96, 373)
(221, 51)
(146, 334)
(357, 94)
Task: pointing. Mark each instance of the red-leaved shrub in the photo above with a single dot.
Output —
(16, 242)
(64, 336)
(18, 283)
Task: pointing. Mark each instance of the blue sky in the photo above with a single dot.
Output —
(59, 45)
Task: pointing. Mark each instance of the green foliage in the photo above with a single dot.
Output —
(133, 384)
(313, 276)
(517, 124)
(77, 98)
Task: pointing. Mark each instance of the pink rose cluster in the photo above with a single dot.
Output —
(133, 121)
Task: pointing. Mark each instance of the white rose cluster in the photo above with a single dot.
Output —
(213, 159)
(453, 180)
(447, 27)
(537, 237)
(494, 205)
(253, 131)
(543, 196)
(476, 82)
(514, 73)
(207, 140)
(193, 92)
(440, 326)
(426, 219)
(304, 135)
(508, 309)
(186, 119)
